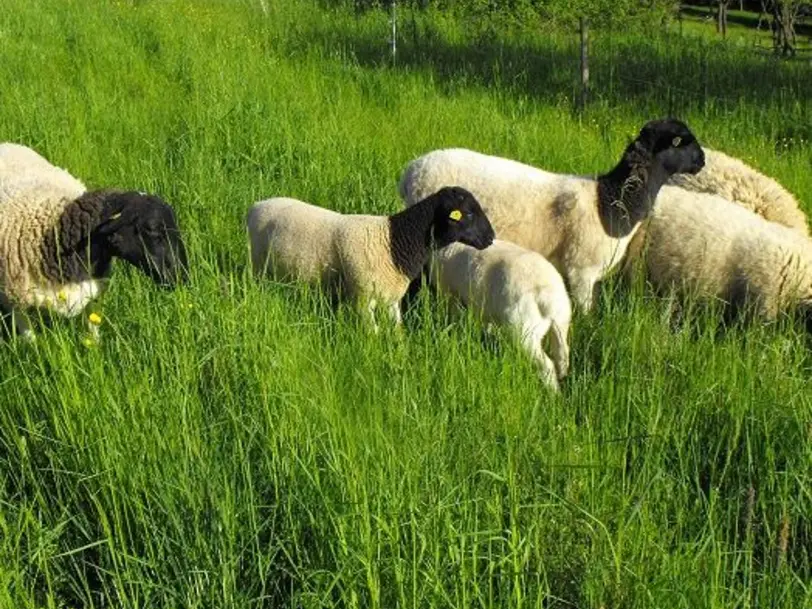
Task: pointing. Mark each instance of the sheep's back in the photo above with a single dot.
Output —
(20, 165)
(736, 181)
(709, 244)
(295, 238)
(531, 207)
(498, 277)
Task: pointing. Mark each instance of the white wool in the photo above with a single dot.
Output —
(294, 240)
(736, 181)
(33, 195)
(513, 287)
(553, 214)
(707, 246)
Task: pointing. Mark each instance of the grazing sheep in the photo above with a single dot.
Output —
(581, 225)
(58, 240)
(368, 259)
(708, 247)
(513, 287)
(736, 181)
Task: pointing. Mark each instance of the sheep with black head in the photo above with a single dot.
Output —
(369, 260)
(58, 240)
(581, 225)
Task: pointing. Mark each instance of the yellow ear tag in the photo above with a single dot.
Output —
(455, 215)
(676, 141)
(115, 216)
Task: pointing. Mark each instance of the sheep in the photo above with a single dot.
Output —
(581, 225)
(513, 287)
(367, 259)
(736, 181)
(705, 246)
(58, 240)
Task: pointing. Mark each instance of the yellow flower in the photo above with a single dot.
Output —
(61, 295)
(94, 318)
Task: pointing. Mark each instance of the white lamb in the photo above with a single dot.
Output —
(706, 246)
(367, 259)
(581, 225)
(736, 181)
(516, 288)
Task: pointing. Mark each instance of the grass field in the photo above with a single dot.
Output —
(239, 444)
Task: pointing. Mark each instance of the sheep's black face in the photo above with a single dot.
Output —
(673, 145)
(142, 230)
(459, 217)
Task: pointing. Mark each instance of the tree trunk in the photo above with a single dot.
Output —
(584, 61)
(394, 40)
(721, 17)
(784, 27)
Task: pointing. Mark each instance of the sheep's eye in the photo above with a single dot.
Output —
(676, 141)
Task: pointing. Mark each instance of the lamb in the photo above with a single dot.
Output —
(367, 259)
(58, 240)
(705, 246)
(513, 287)
(736, 181)
(581, 225)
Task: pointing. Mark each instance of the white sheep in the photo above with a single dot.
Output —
(581, 225)
(708, 247)
(513, 287)
(58, 240)
(736, 181)
(369, 260)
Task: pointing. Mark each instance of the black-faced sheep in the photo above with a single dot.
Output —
(581, 225)
(708, 247)
(367, 259)
(513, 287)
(734, 180)
(58, 240)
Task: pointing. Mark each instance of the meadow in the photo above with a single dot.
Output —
(241, 444)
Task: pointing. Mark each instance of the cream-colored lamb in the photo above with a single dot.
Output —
(368, 259)
(516, 288)
(709, 247)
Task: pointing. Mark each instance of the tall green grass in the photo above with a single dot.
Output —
(240, 443)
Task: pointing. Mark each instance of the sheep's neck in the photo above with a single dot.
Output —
(626, 195)
(69, 251)
(410, 237)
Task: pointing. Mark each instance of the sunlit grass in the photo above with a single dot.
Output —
(240, 443)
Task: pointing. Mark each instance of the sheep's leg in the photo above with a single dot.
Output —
(531, 336)
(369, 304)
(394, 313)
(582, 288)
(14, 322)
(559, 346)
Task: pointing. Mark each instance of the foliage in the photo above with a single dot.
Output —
(535, 12)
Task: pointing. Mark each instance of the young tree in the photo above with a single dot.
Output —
(721, 17)
(785, 14)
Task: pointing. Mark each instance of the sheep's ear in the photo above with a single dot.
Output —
(455, 215)
(110, 223)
